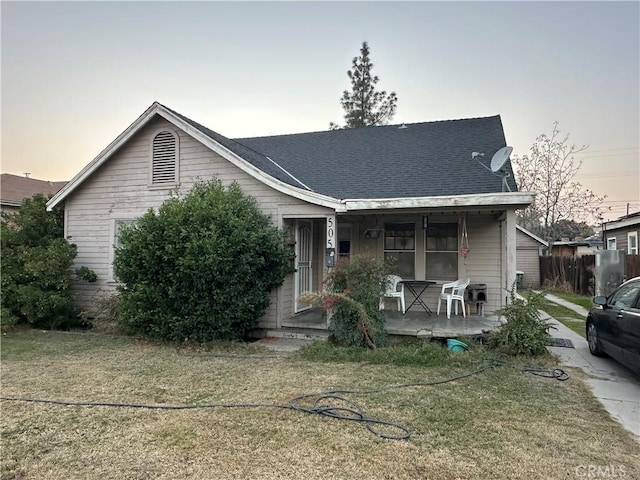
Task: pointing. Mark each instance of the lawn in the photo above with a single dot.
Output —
(502, 423)
(582, 300)
(566, 316)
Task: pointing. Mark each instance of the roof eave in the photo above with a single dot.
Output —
(617, 224)
(514, 200)
(103, 156)
(158, 109)
(532, 235)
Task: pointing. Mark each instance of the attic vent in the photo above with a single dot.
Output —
(164, 164)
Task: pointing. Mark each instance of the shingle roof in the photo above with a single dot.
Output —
(257, 159)
(392, 161)
(15, 188)
(423, 159)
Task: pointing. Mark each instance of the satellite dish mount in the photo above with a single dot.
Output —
(497, 165)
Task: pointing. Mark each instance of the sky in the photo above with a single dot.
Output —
(76, 74)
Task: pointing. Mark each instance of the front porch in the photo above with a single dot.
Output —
(413, 323)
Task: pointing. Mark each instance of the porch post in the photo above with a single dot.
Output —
(331, 252)
(510, 244)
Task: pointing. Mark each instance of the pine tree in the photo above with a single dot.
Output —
(363, 105)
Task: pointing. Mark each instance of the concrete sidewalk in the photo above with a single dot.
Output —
(615, 386)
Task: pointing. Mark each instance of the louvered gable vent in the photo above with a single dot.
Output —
(164, 158)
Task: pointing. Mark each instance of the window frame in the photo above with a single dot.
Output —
(635, 250)
(623, 292)
(164, 185)
(345, 244)
(114, 220)
(386, 250)
(454, 226)
(612, 241)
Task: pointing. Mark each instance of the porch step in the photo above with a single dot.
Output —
(297, 333)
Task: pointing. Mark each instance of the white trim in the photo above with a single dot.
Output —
(102, 157)
(628, 222)
(290, 174)
(631, 235)
(255, 172)
(299, 224)
(157, 109)
(611, 240)
(532, 235)
(513, 199)
(113, 219)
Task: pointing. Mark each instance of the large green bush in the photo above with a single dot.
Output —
(358, 321)
(201, 268)
(36, 264)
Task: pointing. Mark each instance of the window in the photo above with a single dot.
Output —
(116, 225)
(441, 252)
(344, 241)
(611, 243)
(164, 159)
(632, 243)
(626, 296)
(400, 248)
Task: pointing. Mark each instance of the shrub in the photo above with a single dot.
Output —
(524, 333)
(202, 268)
(353, 293)
(105, 317)
(35, 267)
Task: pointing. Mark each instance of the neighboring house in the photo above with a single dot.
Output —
(14, 189)
(622, 234)
(529, 248)
(577, 247)
(409, 192)
(593, 243)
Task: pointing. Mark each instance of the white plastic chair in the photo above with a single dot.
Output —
(391, 285)
(453, 292)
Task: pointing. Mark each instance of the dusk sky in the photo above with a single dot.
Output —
(76, 74)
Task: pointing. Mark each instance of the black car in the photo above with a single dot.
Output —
(613, 325)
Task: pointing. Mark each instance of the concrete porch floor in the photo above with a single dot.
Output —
(415, 323)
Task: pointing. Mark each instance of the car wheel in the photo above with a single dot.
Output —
(593, 340)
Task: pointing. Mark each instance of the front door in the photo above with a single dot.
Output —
(304, 259)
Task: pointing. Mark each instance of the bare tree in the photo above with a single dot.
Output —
(549, 170)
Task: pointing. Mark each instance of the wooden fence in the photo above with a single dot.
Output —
(577, 274)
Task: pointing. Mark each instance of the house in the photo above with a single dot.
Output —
(529, 248)
(622, 234)
(577, 247)
(593, 243)
(411, 192)
(14, 189)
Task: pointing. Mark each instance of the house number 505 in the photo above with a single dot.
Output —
(331, 232)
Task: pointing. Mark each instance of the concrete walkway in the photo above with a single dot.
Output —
(615, 386)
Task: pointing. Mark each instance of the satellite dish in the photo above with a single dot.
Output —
(500, 157)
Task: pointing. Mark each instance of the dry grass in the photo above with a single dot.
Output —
(501, 424)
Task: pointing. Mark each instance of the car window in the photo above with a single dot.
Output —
(625, 297)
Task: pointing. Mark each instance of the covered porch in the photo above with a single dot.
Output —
(413, 323)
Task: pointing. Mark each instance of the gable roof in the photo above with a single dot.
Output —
(14, 189)
(531, 235)
(418, 165)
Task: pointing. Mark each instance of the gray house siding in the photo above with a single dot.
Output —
(528, 259)
(119, 190)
